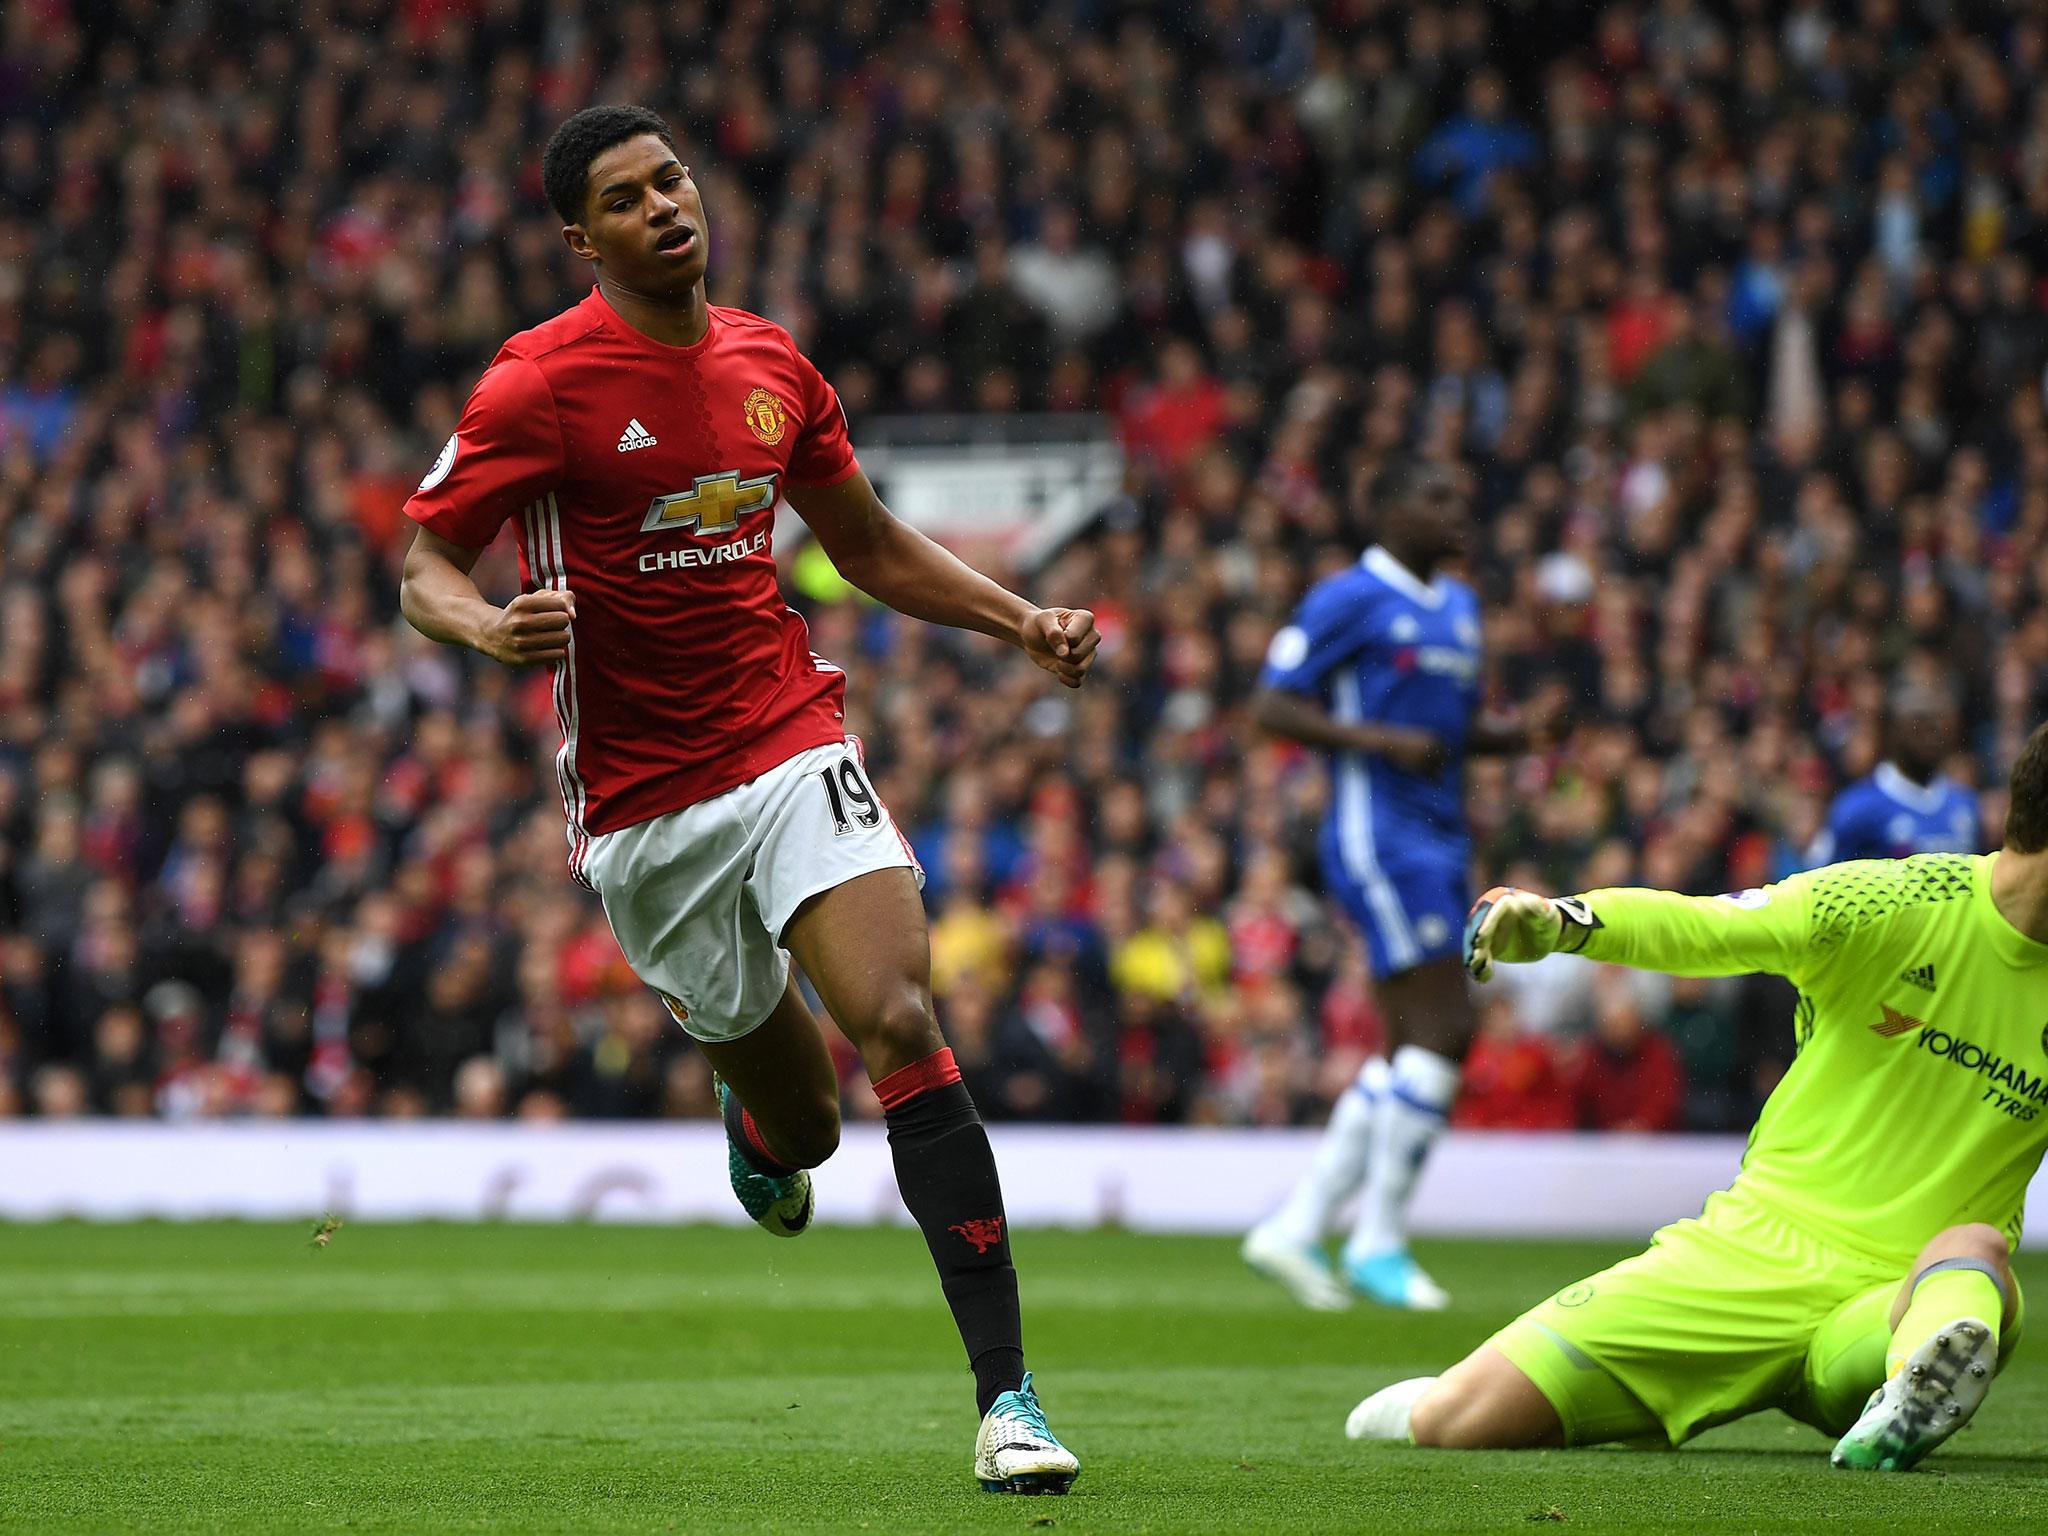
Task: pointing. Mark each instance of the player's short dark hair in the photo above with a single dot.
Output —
(565, 166)
(1401, 479)
(2026, 812)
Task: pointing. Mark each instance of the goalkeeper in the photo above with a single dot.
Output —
(1856, 1275)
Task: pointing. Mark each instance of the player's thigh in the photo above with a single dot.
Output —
(1845, 1362)
(1708, 1324)
(837, 882)
(1583, 1401)
(865, 947)
(675, 892)
(1430, 1005)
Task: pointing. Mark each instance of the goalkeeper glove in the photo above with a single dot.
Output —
(1517, 926)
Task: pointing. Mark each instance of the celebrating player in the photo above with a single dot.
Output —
(1380, 667)
(1908, 805)
(642, 439)
(1856, 1274)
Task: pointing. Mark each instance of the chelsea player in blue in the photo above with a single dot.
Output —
(1908, 805)
(1380, 668)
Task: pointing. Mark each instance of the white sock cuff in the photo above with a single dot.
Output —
(1372, 1077)
(1423, 1078)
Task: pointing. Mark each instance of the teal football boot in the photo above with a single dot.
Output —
(1016, 1452)
(779, 1206)
(1394, 1279)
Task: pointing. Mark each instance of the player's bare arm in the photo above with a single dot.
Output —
(895, 564)
(442, 601)
(1505, 735)
(1299, 718)
(1541, 722)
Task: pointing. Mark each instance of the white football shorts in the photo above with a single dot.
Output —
(699, 898)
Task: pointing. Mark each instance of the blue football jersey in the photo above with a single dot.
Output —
(1378, 643)
(1888, 816)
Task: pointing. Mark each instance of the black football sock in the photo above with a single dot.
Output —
(947, 1176)
(753, 1147)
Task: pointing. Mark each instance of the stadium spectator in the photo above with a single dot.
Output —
(1513, 1081)
(480, 1089)
(1626, 1075)
(1179, 956)
(1734, 318)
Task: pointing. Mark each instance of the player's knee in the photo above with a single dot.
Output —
(901, 1026)
(1971, 1240)
(812, 1136)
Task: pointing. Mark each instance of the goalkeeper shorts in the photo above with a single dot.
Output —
(1721, 1317)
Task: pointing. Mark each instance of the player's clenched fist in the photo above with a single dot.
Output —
(1063, 641)
(531, 630)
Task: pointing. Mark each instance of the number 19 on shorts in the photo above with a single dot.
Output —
(847, 792)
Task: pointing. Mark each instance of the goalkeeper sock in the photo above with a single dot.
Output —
(1947, 1290)
(1413, 1111)
(947, 1175)
(1340, 1160)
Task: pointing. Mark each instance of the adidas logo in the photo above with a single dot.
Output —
(635, 436)
(1921, 976)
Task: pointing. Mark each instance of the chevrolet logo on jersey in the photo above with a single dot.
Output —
(712, 505)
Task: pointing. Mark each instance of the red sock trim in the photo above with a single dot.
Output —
(757, 1141)
(906, 1083)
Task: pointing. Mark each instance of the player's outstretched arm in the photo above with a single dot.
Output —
(1764, 930)
(895, 564)
(442, 602)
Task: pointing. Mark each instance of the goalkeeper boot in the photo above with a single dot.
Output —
(1017, 1452)
(1926, 1400)
(1302, 1267)
(1394, 1279)
(780, 1205)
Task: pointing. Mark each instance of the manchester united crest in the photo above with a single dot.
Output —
(767, 415)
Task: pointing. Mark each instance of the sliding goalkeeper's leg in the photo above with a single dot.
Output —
(1948, 1321)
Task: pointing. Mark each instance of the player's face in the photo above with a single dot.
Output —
(643, 218)
(1437, 522)
(1921, 740)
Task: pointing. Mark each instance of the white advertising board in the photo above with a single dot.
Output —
(1147, 1179)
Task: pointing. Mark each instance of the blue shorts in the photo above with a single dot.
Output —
(1410, 913)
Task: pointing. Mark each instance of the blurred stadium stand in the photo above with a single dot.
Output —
(1735, 316)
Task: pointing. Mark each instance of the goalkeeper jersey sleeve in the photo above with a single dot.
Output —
(1918, 1098)
(1762, 930)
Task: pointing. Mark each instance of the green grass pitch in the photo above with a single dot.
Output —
(234, 1377)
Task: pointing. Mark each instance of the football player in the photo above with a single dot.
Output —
(638, 443)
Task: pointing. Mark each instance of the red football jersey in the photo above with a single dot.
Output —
(644, 479)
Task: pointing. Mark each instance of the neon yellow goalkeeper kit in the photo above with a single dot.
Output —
(1918, 1100)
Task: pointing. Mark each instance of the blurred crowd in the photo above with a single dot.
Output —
(1732, 317)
